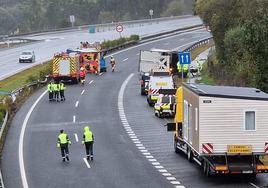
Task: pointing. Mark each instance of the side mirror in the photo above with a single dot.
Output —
(171, 127)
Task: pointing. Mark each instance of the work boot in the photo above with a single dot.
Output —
(88, 158)
(63, 160)
(67, 157)
(91, 157)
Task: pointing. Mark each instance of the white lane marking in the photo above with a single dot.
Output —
(74, 119)
(134, 138)
(76, 104)
(125, 59)
(162, 170)
(88, 165)
(23, 128)
(253, 185)
(76, 137)
(144, 150)
(179, 186)
(175, 182)
(91, 81)
(82, 92)
(171, 178)
(166, 174)
(101, 74)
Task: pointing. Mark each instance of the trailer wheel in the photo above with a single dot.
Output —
(190, 155)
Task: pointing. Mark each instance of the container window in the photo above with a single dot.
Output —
(250, 121)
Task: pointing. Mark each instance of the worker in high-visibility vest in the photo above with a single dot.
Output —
(88, 140)
(183, 69)
(50, 89)
(62, 89)
(56, 88)
(63, 143)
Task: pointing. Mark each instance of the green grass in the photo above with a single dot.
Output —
(195, 52)
(20, 79)
(205, 77)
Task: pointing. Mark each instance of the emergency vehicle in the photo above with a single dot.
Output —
(222, 128)
(156, 83)
(66, 67)
(165, 105)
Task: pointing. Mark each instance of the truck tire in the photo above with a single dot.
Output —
(189, 155)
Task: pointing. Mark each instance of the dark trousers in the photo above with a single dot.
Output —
(89, 148)
(64, 150)
(50, 96)
(62, 97)
(56, 95)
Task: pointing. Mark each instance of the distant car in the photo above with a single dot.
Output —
(27, 57)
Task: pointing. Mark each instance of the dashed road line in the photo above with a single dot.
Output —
(74, 119)
(76, 104)
(76, 137)
(253, 185)
(125, 59)
(135, 139)
(91, 82)
(87, 164)
(82, 92)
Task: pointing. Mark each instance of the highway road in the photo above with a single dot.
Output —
(57, 42)
(132, 147)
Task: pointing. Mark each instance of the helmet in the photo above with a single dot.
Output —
(82, 68)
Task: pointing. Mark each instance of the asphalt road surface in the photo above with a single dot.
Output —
(132, 148)
(58, 42)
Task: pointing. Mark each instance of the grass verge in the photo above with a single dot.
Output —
(22, 78)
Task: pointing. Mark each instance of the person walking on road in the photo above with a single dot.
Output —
(88, 140)
(62, 89)
(56, 91)
(112, 62)
(50, 91)
(63, 143)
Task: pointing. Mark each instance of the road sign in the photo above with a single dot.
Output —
(185, 57)
(72, 19)
(119, 28)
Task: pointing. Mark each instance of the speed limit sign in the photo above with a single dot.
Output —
(119, 28)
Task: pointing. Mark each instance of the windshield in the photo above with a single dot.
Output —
(26, 53)
(165, 100)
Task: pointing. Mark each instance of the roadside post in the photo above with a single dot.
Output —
(151, 13)
(185, 59)
(119, 28)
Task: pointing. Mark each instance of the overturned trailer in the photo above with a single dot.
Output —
(223, 129)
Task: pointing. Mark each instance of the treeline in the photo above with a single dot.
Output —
(36, 15)
(240, 31)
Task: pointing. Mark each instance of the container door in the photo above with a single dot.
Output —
(190, 123)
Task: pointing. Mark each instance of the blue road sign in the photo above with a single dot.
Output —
(185, 57)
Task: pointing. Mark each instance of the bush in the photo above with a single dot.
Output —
(113, 43)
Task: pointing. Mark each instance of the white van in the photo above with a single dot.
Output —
(156, 83)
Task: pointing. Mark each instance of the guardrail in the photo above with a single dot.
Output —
(106, 26)
(198, 44)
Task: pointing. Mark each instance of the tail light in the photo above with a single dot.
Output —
(262, 167)
(221, 167)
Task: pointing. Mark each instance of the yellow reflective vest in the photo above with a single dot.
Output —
(63, 139)
(88, 135)
(62, 86)
(50, 87)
